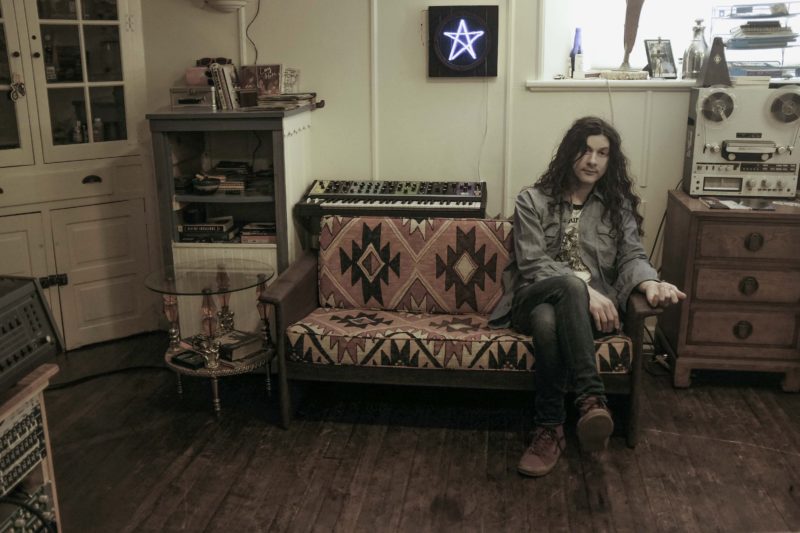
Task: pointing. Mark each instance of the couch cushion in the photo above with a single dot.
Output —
(383, 338)
(421, 265)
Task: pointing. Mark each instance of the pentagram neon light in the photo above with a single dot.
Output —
(462, 40)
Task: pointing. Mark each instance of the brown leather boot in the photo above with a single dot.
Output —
(543, 453)
(595, 424)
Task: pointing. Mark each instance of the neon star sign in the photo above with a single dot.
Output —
(462, 40)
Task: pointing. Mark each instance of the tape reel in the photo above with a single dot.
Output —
(717, 107)
(784, 107)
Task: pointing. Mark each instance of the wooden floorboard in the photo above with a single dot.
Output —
(130, 455)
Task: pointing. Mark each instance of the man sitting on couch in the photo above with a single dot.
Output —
(578, 256)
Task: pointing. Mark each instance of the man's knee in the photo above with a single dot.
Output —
(543, 322)
(573, 284)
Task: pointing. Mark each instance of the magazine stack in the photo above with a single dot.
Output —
(258, 233)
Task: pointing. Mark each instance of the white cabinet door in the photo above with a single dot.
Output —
(16, 146)
(23, 243)
(103, 249)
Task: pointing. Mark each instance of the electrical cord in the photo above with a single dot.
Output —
(255, 151)
(247, 31)
(84, 379)
(47, 524)
(660, 227)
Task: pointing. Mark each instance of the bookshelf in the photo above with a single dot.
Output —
(191, 141)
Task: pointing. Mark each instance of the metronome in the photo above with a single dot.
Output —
(715, 68)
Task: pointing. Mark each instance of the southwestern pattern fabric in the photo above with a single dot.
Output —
(418, 265)
(420, 340)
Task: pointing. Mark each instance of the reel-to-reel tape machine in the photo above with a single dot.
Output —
(743, 141)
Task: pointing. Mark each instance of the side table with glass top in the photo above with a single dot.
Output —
(214, 281)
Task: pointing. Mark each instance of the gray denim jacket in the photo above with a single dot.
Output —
(616, 267)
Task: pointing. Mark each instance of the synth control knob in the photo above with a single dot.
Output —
(714, 148)
(781, 150)
(750, 183)
(764, 184)
(779, 184)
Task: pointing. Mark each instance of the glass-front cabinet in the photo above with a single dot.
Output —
(76, 192)
(68, 55)
(15, 134)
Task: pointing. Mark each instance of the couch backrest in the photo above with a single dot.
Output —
(436, 265)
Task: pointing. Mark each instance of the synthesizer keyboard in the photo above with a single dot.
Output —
(415, 199)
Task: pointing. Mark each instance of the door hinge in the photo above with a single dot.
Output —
(53, 280)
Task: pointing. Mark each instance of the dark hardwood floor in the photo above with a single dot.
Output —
(130, 455)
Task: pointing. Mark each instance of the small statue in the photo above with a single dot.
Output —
(632, 12)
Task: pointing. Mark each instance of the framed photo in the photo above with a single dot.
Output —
(660, 62)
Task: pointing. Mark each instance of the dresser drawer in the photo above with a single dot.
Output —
(742, 240)
(753, 328)
(747, 285)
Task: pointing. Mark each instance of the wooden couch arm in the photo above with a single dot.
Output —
(294, 294)
(637, 310)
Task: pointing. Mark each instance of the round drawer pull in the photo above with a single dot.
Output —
(754, 242)
(748, 285)
(91, 179)
(743, 329)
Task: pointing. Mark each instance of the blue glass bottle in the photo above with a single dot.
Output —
(576, 50)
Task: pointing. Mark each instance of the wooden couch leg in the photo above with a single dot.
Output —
(632, 437)
(284, 397)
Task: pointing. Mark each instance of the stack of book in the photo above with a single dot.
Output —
(224, 78)
(233, 175)
(258, 233)
(236, 345)
(215, 229)
(761, 34)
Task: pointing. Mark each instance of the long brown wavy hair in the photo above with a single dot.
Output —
(616, 185)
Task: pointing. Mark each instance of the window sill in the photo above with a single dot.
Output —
(603, 85)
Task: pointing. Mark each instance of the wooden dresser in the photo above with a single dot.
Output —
(741, 273)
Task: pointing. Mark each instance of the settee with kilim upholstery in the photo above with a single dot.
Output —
(407, 301)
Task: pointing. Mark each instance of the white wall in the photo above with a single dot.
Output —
(385, 119)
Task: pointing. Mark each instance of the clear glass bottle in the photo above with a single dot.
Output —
(97, 129)
(695, 53)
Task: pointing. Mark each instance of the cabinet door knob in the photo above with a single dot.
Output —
(92, 179)
(37, 55)
(748, 285)
(754, 242)
(743, 329)
(14, 54)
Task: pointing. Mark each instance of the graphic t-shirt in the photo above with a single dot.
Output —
(570, 246)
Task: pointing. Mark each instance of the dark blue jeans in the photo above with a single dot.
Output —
(555, 312)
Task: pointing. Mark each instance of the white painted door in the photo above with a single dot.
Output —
(103, 250)
(23, 252)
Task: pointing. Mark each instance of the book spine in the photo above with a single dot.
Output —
(220, 86)
(227, 76)
(203, 228)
